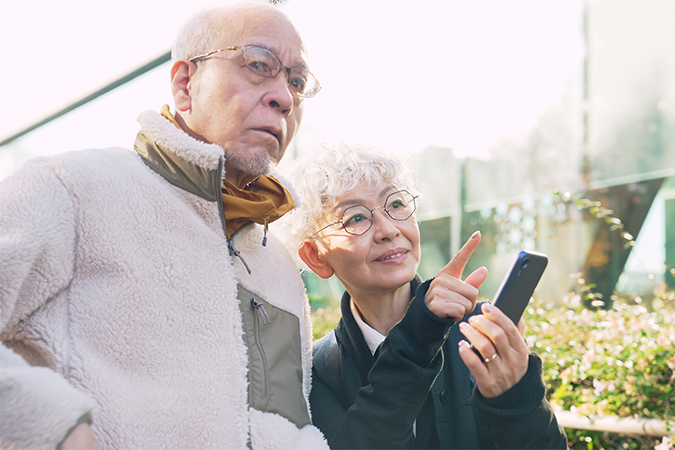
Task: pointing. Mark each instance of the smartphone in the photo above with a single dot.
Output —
(519, 284)
(517, 287)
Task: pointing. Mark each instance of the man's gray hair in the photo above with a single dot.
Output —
(328, 172)
(204, 31)
(198, 34)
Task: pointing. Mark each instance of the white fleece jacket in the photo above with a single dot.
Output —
(118, 296)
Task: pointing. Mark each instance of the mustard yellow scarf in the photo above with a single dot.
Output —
(262, 201)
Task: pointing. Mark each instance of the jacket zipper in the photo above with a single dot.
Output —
(235, 252)
(256, 305)
(230, 245)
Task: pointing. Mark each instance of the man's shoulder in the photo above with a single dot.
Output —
(81, 164)
(84, 158)
(103, 154)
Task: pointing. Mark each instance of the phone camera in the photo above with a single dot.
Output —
(523, 266)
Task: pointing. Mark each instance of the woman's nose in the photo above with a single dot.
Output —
(384, 227)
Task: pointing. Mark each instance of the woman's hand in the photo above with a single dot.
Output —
(448, 295)
(503, 347)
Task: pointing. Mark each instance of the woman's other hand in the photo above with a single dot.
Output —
(503, 347)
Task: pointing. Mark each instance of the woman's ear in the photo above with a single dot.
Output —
(310, 255)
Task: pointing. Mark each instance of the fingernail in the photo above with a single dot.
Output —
(462, 325)
(487, 307)
(475, 234)
(462, 344)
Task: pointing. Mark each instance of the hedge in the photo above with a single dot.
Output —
(619, 361)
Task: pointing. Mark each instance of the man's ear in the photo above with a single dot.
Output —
(181, 73)
(310, 255)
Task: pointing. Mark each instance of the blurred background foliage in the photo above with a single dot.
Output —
(600, 362)
(597, 362)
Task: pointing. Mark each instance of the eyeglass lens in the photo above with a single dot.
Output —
(266, 64)
(358, 219)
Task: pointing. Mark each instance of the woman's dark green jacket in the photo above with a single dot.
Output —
(361, 401)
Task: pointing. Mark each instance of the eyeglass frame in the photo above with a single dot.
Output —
(281, 65)
(372, 215)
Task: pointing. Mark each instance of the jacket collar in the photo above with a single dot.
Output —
(350, 337)
(192, 165)
(183, 161)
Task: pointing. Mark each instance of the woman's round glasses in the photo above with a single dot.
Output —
(266, 64)
(358, 219)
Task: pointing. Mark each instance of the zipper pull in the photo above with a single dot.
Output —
(235, 252)
(261, 308)
(264, 242)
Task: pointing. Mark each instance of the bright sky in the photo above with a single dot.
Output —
(463, 74)
(404, 74)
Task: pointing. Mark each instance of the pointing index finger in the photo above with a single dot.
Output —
(456, 266)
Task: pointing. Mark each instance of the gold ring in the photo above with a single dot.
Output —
(491, 358)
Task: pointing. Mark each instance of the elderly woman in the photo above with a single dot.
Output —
(397, 371)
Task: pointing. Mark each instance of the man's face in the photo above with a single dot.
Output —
(253, 118)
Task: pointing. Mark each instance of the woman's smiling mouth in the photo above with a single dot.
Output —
(396, 254)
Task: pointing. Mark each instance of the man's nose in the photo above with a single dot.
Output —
(280, 95)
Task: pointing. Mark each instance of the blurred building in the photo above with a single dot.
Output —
(610, 139)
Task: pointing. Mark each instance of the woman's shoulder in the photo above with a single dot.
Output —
(327, 364)
(325, 346)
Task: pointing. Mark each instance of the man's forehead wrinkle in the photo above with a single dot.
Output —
(254, 25)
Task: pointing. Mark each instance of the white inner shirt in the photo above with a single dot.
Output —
(373, 337)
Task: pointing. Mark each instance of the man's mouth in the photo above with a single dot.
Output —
(273, 131)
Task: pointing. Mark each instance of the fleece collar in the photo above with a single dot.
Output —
(198, 167)
(179, 171)
(166, 135)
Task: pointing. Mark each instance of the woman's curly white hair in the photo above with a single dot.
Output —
(330, 171)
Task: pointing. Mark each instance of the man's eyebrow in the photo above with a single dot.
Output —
(303, 64)
(261, 45)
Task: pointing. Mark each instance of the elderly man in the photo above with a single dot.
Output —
(139, 291)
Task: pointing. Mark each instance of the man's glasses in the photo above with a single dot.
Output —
(358, 219)
(266, 64)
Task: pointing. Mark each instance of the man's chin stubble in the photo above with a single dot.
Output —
(256, 166)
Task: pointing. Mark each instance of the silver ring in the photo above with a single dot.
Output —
(491, 358)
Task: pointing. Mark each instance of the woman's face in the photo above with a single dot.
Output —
(383, 259)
